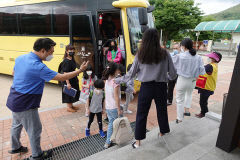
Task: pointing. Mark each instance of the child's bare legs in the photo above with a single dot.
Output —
(70, 108)
(87, 108)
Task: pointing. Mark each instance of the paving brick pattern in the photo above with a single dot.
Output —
(60, 126)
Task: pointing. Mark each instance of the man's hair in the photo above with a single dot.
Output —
(43, 43)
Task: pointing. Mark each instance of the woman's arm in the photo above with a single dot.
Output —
(131, 74)
(117, 99)
(130, 86)
(109, 56)
(68, 83)
(66, 76)
(201, 67)
(171, 69)
(175, 60)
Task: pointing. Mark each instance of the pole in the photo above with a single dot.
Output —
(197, 34)
(197, 43)
(212, 40)
(230, 44)
(161, 37)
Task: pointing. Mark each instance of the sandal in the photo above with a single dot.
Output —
(178, 121)
(134, 145)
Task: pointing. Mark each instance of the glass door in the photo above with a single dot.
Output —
(82, 37)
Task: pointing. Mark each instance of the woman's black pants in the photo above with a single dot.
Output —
(149, 91)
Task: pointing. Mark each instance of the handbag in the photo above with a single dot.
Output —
(201, 82)
(70, 92)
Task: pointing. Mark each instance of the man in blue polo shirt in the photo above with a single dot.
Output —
(24, 99)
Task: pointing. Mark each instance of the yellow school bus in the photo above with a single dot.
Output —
(76, 22)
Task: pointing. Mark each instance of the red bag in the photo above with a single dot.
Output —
(201, 82)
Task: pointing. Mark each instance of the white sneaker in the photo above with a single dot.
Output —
(128, 112)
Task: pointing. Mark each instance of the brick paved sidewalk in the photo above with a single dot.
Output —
(60, 126)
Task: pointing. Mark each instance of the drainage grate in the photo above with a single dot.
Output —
(81, 148)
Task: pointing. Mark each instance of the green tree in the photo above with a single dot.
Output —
(173, 16)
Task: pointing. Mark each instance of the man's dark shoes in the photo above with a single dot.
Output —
(187, 114)
(200, 115)
(44, 155)
(19, 150)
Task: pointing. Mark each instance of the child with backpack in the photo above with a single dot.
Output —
(96, 100)
(129, 93)
(112, 97)
(87, 87)
(206, 83)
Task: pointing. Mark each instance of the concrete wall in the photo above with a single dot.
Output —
(236, 39)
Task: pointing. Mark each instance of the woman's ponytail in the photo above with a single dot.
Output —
(188, 44)
(192, 51)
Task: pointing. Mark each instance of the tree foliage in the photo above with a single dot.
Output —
(173, 16)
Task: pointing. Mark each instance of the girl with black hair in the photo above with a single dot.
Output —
(114, 53)
(96, 107)
(152, 65)
(112, 97)
(87, 86)
(189, 66)
(69, 65)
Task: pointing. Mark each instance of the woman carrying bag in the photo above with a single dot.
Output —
(69, 65)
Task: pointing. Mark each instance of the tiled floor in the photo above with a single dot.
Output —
(60, 126)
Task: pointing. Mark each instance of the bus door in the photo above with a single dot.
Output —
(82, 37)
(110, 28)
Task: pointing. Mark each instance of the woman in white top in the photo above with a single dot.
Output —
(189, 66)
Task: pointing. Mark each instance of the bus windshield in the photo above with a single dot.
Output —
(135, 28)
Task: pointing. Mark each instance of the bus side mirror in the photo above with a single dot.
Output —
(150, 9)
(143, 17)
